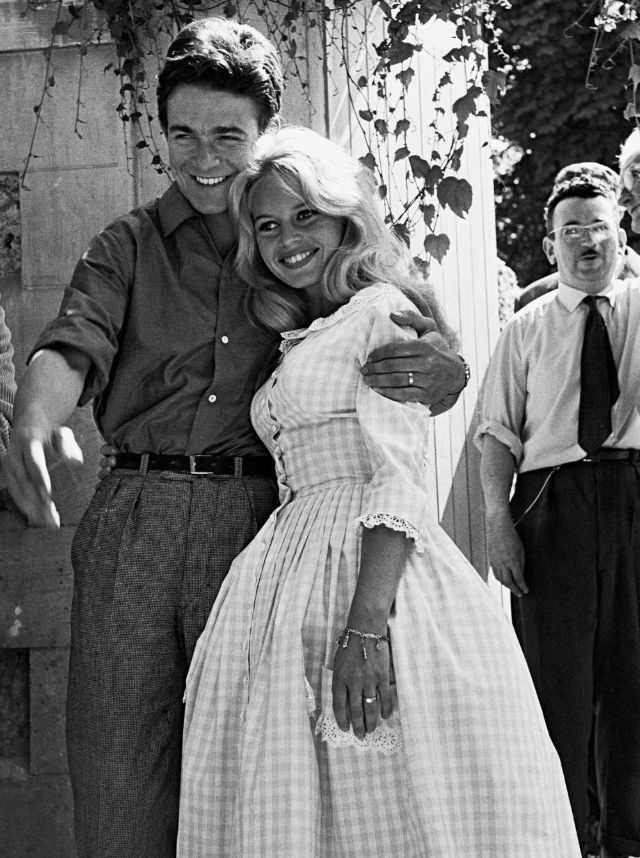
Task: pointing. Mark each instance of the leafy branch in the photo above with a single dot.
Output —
(414, 185)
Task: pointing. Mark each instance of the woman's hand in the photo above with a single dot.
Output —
(362, 691)
(107, 460)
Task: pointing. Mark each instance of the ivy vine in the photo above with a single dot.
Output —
(617, 39)
(415, 186)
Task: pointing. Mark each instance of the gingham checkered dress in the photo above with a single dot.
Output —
(464, 768)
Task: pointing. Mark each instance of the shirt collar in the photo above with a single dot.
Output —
(571, 298)
(174, 209)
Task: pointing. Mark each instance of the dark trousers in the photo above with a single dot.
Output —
(579, 627)
(149, 557)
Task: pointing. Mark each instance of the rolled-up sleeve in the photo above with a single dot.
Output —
(94, 305)
(503, 394)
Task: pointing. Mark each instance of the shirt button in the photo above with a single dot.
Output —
(212, 398)
(224, 339)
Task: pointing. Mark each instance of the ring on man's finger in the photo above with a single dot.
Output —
(410, 379)
(371, 699)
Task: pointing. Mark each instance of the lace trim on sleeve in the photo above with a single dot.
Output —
(393, 522)
(385, 738)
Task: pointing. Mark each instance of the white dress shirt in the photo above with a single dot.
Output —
(531, 392)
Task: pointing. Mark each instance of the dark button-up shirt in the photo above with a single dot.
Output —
(174, 359)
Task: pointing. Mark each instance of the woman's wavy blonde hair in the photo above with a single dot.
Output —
(334, 183)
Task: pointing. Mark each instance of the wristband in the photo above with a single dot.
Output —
(467, 376)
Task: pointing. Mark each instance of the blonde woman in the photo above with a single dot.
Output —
(356, 692)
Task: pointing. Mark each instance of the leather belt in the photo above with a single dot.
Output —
(613, 454)
(231, 466)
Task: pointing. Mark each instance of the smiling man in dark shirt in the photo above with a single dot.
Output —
(152, 328)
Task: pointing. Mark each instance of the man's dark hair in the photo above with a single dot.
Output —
(224, 55)
(585, 179)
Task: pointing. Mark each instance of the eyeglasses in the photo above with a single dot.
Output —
(630, 177)
(574, 233)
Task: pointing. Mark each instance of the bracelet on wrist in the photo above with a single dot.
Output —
(343, 639)
(467, 376)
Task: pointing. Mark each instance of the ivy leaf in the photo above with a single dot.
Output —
(494, 83)
(456, 55)
(368, 160)
(455, 193)
(405, 77)
(401, 153)
(141, 144)
(381, 127)
(400, 52)
(466, 105)
(428, 213)
(362, 81)
(437, 245)
(434, 176)
(401, 127)
(382, 192)
(386, 9)
(419, 167)
(367, 115)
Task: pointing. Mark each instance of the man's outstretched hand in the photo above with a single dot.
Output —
(27, 471)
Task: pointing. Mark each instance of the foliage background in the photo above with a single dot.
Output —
(551, 115)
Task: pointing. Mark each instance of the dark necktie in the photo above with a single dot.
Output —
(598, 382)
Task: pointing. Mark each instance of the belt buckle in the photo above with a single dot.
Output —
(193, 469)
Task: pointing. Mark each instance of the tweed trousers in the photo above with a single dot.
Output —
(579, 627)
(149, 557)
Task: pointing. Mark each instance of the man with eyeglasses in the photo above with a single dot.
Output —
(559, 406)
(629, 261)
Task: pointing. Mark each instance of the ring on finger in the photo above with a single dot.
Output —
(410, 379)
(371, 699)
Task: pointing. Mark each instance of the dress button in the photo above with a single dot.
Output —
(212, 398)
(224, 339)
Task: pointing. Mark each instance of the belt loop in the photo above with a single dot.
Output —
(237, 466)
(144, 464)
